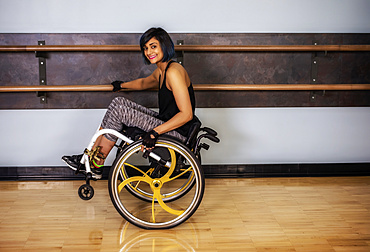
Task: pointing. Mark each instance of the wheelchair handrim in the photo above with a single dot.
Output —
(197, 177)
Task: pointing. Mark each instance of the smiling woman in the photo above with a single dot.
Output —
(156, 40)
(153, 52)
(176, 102)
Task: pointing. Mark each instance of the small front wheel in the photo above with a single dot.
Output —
(86, 192)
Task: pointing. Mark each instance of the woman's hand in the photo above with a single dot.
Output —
(117, 85)
(150, 138)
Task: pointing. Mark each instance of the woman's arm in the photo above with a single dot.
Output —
(143, 83)
(177, 82)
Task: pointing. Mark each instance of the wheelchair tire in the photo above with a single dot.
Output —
(162, 201)
(86, 192)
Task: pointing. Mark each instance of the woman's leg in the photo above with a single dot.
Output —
(105, 147)
(122, 112)
(111, 120)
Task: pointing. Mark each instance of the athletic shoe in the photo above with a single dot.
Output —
(73, 162)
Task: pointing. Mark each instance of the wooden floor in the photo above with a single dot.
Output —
(258, 214)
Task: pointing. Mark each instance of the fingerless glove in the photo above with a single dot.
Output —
(117, 85)
(148, 141)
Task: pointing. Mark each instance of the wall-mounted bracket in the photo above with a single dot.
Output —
(314, 65)
(314, 73)
(42, 72)
(180, 55)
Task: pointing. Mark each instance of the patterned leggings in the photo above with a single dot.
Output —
(123, 112)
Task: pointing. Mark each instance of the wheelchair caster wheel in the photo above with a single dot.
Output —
(86, 192)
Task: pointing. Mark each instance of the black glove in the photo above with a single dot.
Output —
(150, 138)
(117, 85)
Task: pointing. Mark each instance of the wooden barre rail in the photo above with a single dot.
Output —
(190, 48)
(197, 87)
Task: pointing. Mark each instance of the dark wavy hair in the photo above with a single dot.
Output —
(164, 39)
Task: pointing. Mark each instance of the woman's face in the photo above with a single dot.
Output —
(153, 51)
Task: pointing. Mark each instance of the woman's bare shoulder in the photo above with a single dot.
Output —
(176, 70)
(176, 74)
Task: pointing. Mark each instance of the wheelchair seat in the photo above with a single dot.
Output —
(135, 133)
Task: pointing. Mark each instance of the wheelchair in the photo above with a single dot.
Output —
(156, 189)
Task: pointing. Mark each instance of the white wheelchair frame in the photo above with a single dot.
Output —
(85, 159)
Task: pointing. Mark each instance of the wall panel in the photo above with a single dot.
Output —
(68, 68)
(262, 132)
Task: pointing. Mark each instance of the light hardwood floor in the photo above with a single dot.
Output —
(249, 214)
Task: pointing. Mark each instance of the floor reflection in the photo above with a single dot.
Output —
(131, 238)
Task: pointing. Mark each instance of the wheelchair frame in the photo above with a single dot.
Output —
(148, 184)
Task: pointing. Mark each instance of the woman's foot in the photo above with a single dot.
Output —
(74, 162)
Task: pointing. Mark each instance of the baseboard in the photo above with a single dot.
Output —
(288, 170)
(210, 171)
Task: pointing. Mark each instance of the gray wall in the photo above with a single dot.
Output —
(255, 127)
(242, 16)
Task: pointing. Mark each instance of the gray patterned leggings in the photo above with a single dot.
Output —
(123, 112)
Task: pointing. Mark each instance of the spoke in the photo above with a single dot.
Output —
(180, 174)
(145, 175)
(146, 179)
(148, 172)
(158, 196)
(166, 177)
(132, 166)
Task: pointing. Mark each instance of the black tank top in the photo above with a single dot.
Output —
(167, 104)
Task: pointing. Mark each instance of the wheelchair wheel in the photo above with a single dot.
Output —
(86, 192)
(155, 170)
(156, 196)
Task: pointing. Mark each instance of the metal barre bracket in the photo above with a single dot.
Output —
(180, 54)
(314, 72)
(42, 72)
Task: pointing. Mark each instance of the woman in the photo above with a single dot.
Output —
(175, 97)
